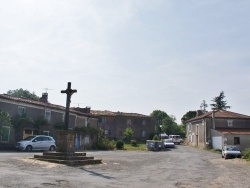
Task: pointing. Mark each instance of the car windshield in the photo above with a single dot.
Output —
(168, 140)
(232, 148)
(29, 138)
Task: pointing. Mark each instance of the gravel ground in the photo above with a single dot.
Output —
(183, 167)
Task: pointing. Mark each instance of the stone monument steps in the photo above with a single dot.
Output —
(73, 162)
(64, 153)
(71, 159)
(62, 157)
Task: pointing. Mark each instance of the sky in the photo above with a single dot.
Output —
(128, 55)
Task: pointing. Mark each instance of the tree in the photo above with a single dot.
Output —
(219, 103)
(159, 115)
(169, 126)
(188, 115)
(128, 134)
(23, 93)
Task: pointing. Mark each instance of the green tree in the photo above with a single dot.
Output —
(169, 126)
(23, 93)
(159, 116)
(128, 134)
(219, 103)
(188, 115)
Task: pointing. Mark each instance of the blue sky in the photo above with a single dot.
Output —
(128, 55)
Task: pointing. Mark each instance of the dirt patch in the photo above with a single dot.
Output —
(43, 164)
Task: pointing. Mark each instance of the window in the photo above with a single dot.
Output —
(129, 122)
(104, 120)
(85, 122)
(5, 134)
(21, 110)
(63, 117)
(144, 122)
(48, 115)
(86, 140)
(236, 140)
(40, 138)
(230, 123)
(189, 127)
(106, 132)
(143, 134)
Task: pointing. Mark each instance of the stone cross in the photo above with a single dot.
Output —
(203, 106)
(69, 92)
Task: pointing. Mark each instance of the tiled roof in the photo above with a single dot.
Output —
(110, 113)
(38, 103)
(233, 131)
(220, 114)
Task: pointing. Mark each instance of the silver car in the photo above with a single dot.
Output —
(36, 142)
(230, 151)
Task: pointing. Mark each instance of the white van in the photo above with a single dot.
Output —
(163, 136)
(176, 139)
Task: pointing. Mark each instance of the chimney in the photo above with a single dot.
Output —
(83, 110)
(44, 98)
(199, 113)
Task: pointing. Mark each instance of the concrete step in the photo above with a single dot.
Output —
(73, 162)
(63, 157)
(72, 159)
(54, 153)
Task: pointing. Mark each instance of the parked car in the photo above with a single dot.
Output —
(176, 139)
(36, 142)
(168, 143)
(163, 136)
(230, 151)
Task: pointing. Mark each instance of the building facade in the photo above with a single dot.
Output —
(114, 124)
(30, 117)
(217, 128)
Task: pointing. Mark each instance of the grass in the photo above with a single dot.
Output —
(139, 147)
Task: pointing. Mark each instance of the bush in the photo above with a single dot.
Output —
(127, 134)
(155, 137)
(246, 153)
(103, 143)
(106, 144)
(119, 144)
(133, 143)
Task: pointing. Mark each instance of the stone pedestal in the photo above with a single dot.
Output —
(65, 141)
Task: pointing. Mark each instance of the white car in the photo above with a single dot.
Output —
(168, 143)
(38, 142)
(176, 139)
(230, 151)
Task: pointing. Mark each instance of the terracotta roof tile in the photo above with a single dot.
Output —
(110, 113)
(233, 131)
(40, 103)
(220, 114)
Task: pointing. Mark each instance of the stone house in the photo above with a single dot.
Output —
(216, 128)
(114, 124)
(41, 117)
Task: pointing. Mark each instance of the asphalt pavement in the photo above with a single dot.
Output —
(183, 167)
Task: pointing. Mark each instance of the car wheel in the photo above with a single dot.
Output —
(28, 148)
(222, 156)
(52, 148)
